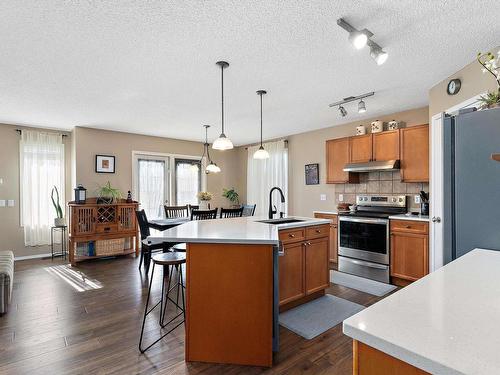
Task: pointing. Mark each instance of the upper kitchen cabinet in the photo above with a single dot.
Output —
(415, 153)
(386, 145)
(337, 156)
(361, 148)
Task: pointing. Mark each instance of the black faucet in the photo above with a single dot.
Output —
(271, 211)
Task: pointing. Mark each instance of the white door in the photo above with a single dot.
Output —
(151, 185)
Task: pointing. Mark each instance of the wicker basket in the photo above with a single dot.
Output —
(110, 247)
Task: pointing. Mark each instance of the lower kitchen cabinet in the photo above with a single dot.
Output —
(304, 265)
(333, 244)
(409, 251)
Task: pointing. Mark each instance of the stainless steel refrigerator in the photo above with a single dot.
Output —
(471, 183)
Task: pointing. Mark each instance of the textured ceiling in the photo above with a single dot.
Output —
(149, 66)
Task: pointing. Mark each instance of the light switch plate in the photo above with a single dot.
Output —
(2, 202)
(10, 203)
(417, 199)
(322, 197)
(341, 197)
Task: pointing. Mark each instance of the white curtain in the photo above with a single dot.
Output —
(262, 175)
(152, 186)
(187, 181)
(41, 168)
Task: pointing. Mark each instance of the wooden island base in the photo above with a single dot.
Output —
(370, 361)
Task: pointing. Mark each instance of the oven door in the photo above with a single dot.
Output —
(364, 238)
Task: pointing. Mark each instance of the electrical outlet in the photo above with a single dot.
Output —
(10, 203)
(417, 199)
(341, 197)
(322, 197)
(2, 202)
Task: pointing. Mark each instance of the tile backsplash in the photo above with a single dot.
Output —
(388, 182)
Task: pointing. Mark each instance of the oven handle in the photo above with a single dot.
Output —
(364, 220)
(368, 264)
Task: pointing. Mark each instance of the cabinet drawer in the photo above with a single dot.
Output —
(292, 235)
(106, 228)
(317, 231)
(409, 226)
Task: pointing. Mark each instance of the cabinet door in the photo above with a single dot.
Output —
(361, 148)
(126, 218)
(409, 255)
(333, 244)
(386, 145)
(317, 265)
(83, 220)
(415, 153)
(291, 273)
(337, 156)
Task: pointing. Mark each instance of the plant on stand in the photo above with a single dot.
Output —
(490, 64)
(232, 196)
(107, 194)
(59, 220)
(204, 197)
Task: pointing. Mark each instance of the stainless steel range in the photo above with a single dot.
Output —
(364, 245)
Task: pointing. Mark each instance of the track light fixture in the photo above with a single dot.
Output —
(361, 104)
(359, 39)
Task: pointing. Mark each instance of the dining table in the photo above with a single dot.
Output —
(164, 224)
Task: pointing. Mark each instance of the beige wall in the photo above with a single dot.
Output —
(11, 233)
(89, 142)
(308, 148)
(474, 82)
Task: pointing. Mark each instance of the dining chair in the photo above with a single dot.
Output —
(147, 247)
(173, 212)
(249, 209)
(204, 214)
(231, 212)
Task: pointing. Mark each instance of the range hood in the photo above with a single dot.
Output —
(371, 166)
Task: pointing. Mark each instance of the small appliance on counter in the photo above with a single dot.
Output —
(424, 203)
(364, 236)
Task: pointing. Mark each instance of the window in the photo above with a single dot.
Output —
(41, 168)
(165, 179)
(187, 181)
(262, 175)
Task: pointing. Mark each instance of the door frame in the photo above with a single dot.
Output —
(436, 185)
(170, 171)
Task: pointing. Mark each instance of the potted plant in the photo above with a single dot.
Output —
(204, 197)
(232, 196)
(107, 194)
(59, 220)
(490, 64)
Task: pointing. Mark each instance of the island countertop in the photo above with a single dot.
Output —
(241, 230)
(444, 323)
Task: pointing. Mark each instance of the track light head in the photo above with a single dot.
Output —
(361, 107)
(378, 55)
(358, 39)
(342, 111)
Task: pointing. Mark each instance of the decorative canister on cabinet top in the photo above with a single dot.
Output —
(393, 125)
(377, 126)
(360, 130)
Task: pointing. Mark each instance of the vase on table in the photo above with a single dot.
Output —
(204, 205)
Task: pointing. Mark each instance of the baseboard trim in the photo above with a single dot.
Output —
(37, 256)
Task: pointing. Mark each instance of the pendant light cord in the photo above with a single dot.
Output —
(261, 120)
(222, 96)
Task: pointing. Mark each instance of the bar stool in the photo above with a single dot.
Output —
(169, 261)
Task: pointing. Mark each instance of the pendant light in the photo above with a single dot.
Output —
(261, 153)
(211, 166)
(222, 143)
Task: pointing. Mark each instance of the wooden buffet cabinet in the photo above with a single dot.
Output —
(101, 230)
(409, 145)
(304, 271)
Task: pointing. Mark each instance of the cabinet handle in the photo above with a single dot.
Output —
(408, 227)
(334, 226)
(318, 231)
(291, 235)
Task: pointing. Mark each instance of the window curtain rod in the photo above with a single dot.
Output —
(275, 140)
(20, 132)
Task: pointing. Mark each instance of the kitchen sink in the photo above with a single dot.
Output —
(281, 221)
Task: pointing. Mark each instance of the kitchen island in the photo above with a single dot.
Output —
(444, 323)
(239, 273)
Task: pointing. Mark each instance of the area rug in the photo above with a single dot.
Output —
(313, 318)
(373, 287)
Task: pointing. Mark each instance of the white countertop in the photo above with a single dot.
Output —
(444, 323)
(241, 230)
(410, 217)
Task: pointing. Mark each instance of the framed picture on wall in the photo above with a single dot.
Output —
(312, 174)
(105, 164)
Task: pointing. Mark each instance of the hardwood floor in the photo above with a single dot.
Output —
(53, 328)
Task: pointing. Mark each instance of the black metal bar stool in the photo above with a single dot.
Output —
(169, 261)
